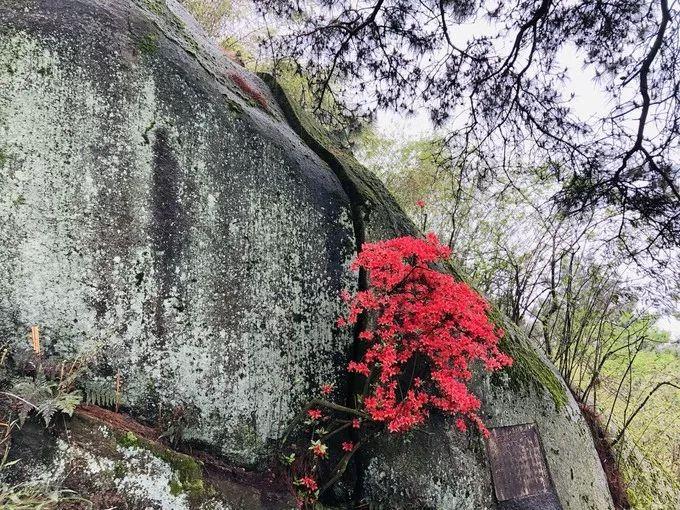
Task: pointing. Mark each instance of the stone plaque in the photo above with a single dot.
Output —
(519, 471)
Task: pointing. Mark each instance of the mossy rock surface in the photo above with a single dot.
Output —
(112, 467)
(155, 207)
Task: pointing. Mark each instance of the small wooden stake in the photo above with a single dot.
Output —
(117, 390)
(35, 337)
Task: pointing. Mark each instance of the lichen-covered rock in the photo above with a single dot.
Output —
(376, 214)
(155, 206)
(106, 466)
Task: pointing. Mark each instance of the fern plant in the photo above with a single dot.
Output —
(101, 393)
(43, 396)
(51, 389)
(33, 496)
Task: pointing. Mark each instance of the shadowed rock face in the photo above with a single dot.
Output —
(161, 205)
(150, 208)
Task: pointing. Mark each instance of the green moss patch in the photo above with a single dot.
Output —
(148, 45)
(128, 440)
(188, 473)
(156, 6)
(528, 368)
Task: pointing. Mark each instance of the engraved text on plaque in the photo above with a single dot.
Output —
(520, 475)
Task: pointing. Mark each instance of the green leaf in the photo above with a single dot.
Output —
(47, 410)
(67, 402)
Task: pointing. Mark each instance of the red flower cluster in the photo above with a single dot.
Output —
(423, 320)
(319, 449)
(308, 483)
(314, 414)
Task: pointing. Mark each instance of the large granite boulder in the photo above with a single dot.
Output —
(154, 206)
(188, 221)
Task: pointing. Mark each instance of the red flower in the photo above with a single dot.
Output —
(366, 335)
(420, 312)
(460, 425)
(356, 423)
(314, 414)
(420, 203)
(348, 446)
(319, 449)
(326, 389)
(359, 368)
(309, 483)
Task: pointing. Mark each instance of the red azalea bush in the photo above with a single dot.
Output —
(422, 331)
(423, 319)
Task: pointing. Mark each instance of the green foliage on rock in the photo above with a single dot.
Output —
(529, 369)
(210, 13)
(44, 396)
(148, 44)
(187, 472)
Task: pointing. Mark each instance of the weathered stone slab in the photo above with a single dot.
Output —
(519, 472)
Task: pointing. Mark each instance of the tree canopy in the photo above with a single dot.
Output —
(493, 75)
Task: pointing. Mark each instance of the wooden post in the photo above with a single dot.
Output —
(35, 338)
(117, 390)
